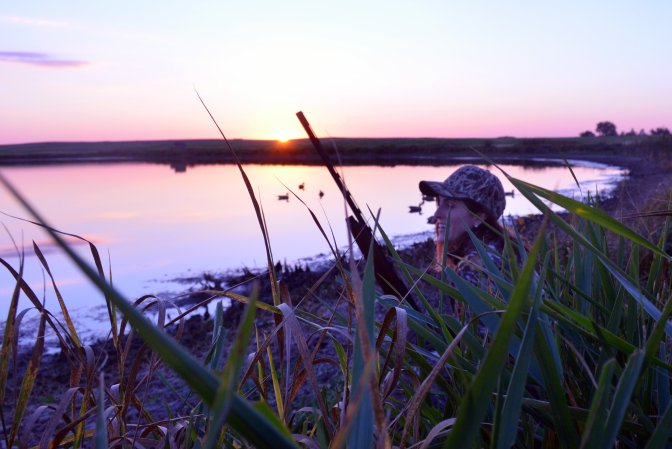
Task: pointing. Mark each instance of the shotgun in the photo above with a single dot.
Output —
(388, 279)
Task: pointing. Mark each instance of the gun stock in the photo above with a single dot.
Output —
(388, 279)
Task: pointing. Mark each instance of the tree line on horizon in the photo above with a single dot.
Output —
(608, 129)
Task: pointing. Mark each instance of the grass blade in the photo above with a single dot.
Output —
(61, 303)
(28, 381)
(421, 392)
(257, 208)
(362, 430)
(597, 416)
(508, 426)
(100, 436)
(587, 212)
(226, 390)
(476, 402)
(576, 181)
(294, 327)
(661, 435)
(7, 351)
(626, 385)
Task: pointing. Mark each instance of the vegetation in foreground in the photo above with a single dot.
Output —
(571, 351)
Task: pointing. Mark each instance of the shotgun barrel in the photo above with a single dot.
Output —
(388, 279)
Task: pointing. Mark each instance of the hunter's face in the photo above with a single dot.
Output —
(452, 217)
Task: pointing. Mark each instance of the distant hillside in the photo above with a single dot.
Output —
(350, 150)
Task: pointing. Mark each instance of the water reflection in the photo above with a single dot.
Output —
(155, 225)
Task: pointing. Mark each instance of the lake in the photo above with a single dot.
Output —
(155, 224)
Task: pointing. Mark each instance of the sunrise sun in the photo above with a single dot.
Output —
(282, 137)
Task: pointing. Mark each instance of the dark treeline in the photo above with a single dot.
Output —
(349, 151)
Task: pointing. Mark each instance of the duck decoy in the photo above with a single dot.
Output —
(414, 209)
(284, 197)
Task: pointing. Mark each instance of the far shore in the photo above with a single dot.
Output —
(620, 150)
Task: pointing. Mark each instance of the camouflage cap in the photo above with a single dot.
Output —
(473, 183)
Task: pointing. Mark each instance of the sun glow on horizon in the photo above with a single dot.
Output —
(282, 137)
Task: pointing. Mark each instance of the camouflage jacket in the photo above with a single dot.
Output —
(471, 268)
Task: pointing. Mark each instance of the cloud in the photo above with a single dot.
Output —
(132, 35)
(31, 21)
(39, 59)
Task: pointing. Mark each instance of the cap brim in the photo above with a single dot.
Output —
(436, 188)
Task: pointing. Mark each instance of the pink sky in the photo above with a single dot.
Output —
(394, 69)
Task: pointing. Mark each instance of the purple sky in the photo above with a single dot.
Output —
(127, 71)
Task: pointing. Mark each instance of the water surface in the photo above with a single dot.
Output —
(152, 225)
